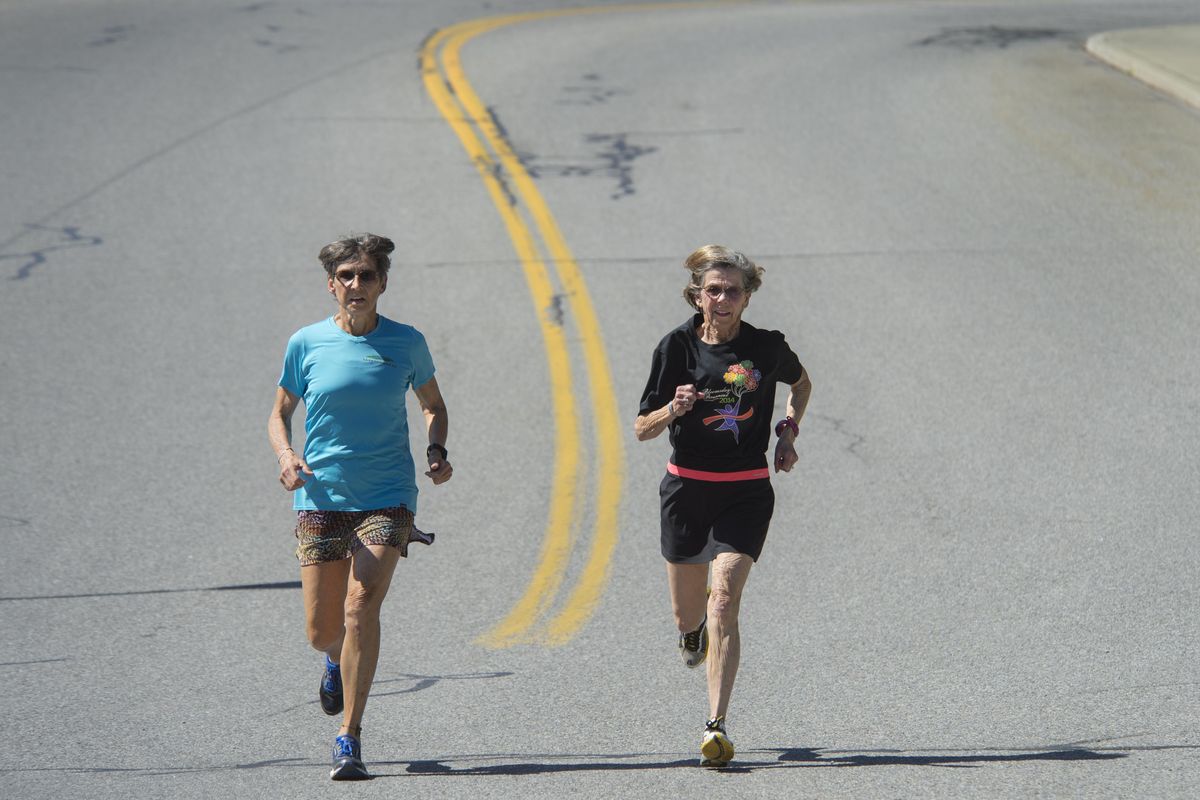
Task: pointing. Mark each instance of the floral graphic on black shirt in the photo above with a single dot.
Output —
(740, 378)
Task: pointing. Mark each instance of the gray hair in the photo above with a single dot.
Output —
(356, 248)
(714, 256)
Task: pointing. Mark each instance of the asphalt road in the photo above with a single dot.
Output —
(982, 577)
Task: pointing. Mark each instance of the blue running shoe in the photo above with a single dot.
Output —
(347, 760)
(331, 688)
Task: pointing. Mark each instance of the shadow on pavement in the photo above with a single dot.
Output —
(242, 587)
(748, 761)
(507, 764)
(419, 683)
(887, 758)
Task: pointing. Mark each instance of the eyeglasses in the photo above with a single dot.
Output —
(346, 277)
(732, 293)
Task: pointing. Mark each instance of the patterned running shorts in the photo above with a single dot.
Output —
(326, 536)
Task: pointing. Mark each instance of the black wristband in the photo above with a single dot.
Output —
(439, 448)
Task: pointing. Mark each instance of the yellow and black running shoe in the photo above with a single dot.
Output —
(716, 749)
(693, 646)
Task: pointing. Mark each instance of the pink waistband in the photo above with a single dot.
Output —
(720, 477)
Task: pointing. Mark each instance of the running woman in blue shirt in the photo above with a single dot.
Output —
(355, 483)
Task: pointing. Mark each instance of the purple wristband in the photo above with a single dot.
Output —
(787, 423)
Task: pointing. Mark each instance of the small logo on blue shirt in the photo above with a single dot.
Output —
(375, 358)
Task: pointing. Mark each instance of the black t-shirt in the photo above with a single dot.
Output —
(730, 428)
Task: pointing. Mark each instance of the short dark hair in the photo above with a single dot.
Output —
(356, 248)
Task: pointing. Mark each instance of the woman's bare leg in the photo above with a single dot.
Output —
(369, 579)
(729, 574)
(687, 584)
(324, 589)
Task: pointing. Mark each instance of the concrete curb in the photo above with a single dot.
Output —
(1131, 52)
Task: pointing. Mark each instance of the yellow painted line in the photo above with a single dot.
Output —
(609, 464)
(450, 92)
(556, 545)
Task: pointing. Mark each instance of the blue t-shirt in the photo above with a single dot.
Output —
(356, 422)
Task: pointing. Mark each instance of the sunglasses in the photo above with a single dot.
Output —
(731, 292)
(346, 276)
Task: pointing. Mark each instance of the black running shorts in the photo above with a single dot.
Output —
(702, 518)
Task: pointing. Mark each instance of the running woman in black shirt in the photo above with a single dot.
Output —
(712, 385)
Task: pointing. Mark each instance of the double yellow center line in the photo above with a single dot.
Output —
(493, 156)
(533, 618)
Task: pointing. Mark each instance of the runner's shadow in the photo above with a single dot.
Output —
(544, 766)
(418, 683)
(506, 764)
(747, 761)
(956, 758)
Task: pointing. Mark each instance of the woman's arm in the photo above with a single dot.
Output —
(797, 402)
(438, 423)
(652, 423)
(798, 399)
(279, 433)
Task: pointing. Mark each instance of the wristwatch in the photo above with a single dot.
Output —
(439, 448)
